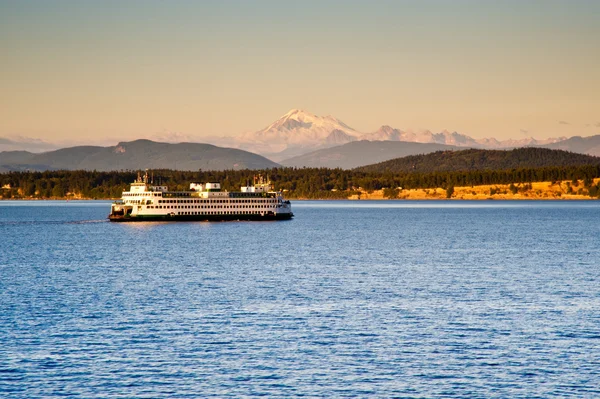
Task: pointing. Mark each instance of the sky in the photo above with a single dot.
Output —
(83, 71)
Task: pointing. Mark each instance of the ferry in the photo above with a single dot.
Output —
(203, 202)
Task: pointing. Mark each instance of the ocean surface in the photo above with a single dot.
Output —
(349, 299)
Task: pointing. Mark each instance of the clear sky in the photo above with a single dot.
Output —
(83, 70)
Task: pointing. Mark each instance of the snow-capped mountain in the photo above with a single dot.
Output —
(384, 133)
(338, 137)
(451, 138)
(299, 132)
(421, 136)
(523, 142)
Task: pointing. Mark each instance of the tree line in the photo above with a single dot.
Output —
(310, 183)
(478, 159)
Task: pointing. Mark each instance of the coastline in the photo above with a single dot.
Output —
(537, 191)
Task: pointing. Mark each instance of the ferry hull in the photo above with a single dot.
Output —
(199, 218)
(145, 202)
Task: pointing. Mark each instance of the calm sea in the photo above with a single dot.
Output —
(348, 299)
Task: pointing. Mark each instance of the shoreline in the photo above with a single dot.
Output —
(538, 191)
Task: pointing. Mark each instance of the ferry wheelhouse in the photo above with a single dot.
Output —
(203, 202)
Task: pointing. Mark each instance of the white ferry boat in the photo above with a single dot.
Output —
(204, 202)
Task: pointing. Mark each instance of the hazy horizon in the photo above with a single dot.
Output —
(78, 72)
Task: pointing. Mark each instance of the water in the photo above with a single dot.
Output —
(349, 299)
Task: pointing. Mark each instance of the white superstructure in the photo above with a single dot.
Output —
(146, 201)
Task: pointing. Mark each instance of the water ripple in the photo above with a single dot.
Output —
(347, 300)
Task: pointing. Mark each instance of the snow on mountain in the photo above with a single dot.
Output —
(299, 132)
(387, 133)
(299, 128)
(384, 133)
(525, 142)
(454, 138)
(338, 137)
(420, 136)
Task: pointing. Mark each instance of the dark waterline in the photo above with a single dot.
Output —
(349, 299)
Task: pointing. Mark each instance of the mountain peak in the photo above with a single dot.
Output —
(386, 129)
(292, 112)
(298, 119)
(297, 114)
(384, 133)
(299, 131)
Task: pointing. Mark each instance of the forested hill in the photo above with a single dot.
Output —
(135, 155)
(473, 159)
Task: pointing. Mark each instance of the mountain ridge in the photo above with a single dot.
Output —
(480, 159)
(363, 152)
(298, 132)
(135, 155)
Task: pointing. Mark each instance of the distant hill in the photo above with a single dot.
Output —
(134, 155)
(359, 153)
(474, 159)
(10, 157)
(583, 145)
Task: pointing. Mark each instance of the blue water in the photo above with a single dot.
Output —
(349, 299)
